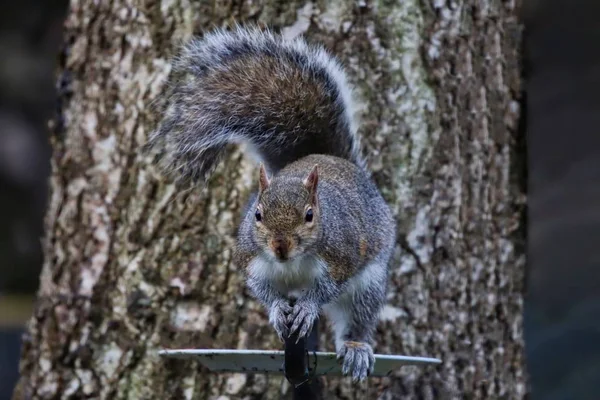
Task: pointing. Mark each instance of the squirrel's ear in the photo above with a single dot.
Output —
(263, 179)
(311, 181)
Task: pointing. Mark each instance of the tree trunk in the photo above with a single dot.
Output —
(132, 265)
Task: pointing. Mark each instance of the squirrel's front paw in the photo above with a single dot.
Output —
(278, 317)
(358, 359)
(303, 318)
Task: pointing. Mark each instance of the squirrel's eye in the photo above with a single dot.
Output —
(309, 215)
(258, 215)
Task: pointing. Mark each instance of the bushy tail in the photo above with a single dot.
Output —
(284, 98)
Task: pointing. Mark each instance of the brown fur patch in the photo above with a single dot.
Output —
(354, 345)
(242, 259)
(363, 246)
(339, 270)
(254, 84)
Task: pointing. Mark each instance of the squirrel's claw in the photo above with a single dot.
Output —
(278, 317)
(303, 317)
(358, 360)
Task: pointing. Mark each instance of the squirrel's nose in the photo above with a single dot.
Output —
(280, 247)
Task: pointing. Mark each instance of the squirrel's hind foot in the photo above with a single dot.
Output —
(358, 359)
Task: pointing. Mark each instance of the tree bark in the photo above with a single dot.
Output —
(132, 265)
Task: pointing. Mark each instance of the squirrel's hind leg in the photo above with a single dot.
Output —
(354, 317)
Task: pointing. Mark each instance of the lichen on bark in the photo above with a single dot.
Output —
(133, 264)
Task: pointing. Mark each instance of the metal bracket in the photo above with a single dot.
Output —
(296, 366)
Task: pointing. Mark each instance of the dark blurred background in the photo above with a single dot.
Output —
(562, 118)
(30, 39)
(562, 306)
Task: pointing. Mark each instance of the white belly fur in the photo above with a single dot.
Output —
(290, 278)
(293, 277)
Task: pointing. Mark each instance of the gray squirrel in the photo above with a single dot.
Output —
(318, 231)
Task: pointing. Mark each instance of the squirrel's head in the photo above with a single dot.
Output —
(287, 217)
